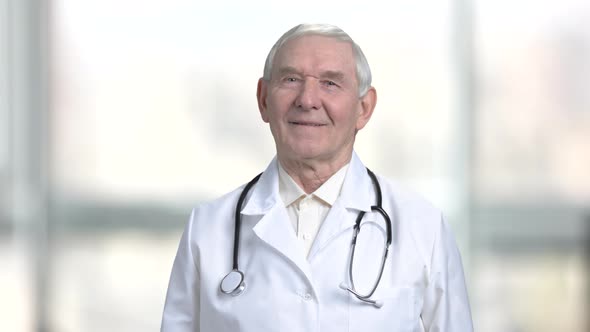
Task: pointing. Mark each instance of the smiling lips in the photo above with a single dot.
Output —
(306, 123)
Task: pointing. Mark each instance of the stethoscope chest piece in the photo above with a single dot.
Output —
(233, 283)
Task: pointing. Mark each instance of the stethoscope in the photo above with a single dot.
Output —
(233, 283)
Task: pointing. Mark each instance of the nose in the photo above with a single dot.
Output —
(309, 95)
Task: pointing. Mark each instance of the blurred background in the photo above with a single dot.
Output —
(116, 117)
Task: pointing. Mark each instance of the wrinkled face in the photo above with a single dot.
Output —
(311, 101)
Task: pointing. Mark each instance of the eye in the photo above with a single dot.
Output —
(330, 83)
(290, 79)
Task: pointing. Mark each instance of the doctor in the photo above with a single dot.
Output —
(286, 260)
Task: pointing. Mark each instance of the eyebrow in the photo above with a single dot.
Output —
(328, 74)
(287, 70)
(333, 75)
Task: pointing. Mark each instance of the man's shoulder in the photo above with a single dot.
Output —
(221, 202)
(417, 221)
(407, 200)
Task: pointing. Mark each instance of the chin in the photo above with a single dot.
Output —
(305, 153)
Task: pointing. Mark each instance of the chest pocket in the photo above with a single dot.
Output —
(399, 313)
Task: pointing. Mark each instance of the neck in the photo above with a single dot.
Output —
(311, 174)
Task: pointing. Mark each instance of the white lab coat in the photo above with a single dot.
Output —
(422, 288)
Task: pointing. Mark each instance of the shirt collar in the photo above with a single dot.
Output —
(357, 190)
(328, 192)
(288, 189)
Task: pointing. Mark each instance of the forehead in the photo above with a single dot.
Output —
(312, 53)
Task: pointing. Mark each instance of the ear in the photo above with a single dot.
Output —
(261, 93)
(367, 105)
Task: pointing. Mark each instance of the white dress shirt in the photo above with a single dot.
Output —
(307, 212)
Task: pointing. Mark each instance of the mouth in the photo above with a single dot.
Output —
(307, 124)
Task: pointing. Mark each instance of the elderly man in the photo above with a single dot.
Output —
(317, 242)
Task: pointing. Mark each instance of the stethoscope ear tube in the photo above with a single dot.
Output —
(378, 207)
(233, 283)
(238, 219)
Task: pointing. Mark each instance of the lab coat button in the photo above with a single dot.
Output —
(307, 297)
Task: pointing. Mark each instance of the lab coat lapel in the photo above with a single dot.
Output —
(274, 226)
(356, 195)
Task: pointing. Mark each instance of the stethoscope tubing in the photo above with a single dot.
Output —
(238, 219)
(239, 285)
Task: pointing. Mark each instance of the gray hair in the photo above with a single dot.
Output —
(363, 71)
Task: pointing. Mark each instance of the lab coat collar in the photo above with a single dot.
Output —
(357, 195)
(274, 227)
(357, 190)
(265, 194)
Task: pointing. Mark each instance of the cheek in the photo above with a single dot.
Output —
(278, 105)
(349, 117)
(283, 96)
(270, 113)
